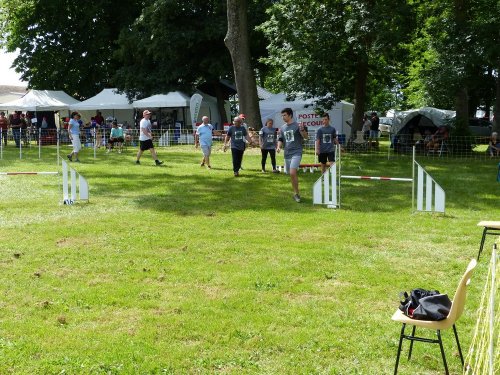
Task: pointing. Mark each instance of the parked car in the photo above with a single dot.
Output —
(385, 125)
(480, 126)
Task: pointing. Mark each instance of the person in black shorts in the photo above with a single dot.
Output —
(146, 138)
(326, 139)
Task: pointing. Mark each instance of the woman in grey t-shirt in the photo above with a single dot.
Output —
(267, 142)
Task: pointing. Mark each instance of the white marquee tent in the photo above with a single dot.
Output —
(41, 100)
(174, 99)
(304, 111)
(106, 99)
(179, 100)
(110, 103)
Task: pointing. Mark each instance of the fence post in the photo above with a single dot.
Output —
(39, 143)
(58, 136)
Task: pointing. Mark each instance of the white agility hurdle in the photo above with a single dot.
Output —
(69, 174)
(326, 189)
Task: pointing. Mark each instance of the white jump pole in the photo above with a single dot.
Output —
(20, 173)
(380, 178)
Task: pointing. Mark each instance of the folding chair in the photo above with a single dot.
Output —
(360, 143)
(456, 310)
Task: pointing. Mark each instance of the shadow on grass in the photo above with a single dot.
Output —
(183, 187)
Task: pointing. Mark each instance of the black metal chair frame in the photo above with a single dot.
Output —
(413, 338)
(487, 231)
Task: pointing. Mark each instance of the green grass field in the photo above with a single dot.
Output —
(182, 270)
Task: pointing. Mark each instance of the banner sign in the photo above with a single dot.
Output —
(309, 118)
(194, 107)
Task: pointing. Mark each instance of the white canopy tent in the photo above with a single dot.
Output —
(171, 107)
(304, 111)
(110, 103)
(179, 101)
(174, 99)
(41, 100)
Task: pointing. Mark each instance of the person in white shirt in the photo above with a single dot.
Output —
(203, 138)
(74, 136)
(146, 138)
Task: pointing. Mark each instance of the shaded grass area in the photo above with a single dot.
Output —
(179, 269)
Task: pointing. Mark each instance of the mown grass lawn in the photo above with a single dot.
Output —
(179, 269)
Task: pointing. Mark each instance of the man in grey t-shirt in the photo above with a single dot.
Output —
(326, 139)
(237, 134)
(291, 137)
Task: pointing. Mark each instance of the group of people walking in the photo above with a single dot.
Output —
(289, 137)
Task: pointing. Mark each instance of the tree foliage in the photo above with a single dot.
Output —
(337, 48)
(65, 44)
(455, 55)
(173, 45)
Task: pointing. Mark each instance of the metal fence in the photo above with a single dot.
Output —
(473, 147)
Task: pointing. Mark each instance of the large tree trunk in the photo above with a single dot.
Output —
(237, 42)
(220, 104)
(462, 112)
(359, 96)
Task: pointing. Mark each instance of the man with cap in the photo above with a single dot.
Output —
(146, 138)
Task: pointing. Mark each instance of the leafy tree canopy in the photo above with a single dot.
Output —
(65, 44)
(318, 46)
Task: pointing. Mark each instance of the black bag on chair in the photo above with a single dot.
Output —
(424, 304)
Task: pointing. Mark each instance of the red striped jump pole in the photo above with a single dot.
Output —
(378, 178)
(16, 173)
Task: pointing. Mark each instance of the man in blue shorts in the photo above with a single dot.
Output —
(203, 138)
(326, 139)
(290, 139)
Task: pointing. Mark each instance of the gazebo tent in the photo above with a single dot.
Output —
(43, 103)
(173, 99)
(419, 120)
(180, 102)
(304, 111)
(41, 100)
(410, 126)
(110, 103)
